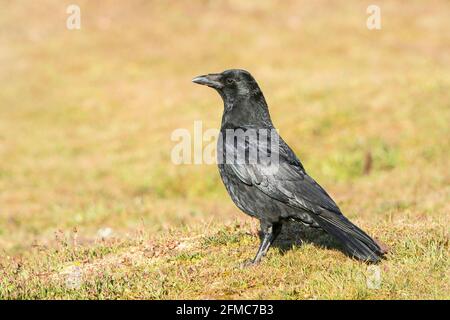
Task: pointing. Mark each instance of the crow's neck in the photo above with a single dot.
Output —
(246, 111)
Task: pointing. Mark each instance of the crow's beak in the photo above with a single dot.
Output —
(211, 80)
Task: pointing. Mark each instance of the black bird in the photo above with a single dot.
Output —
(274, 196)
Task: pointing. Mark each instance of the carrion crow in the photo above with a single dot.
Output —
(273, 186)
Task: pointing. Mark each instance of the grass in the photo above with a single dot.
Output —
(92, 207)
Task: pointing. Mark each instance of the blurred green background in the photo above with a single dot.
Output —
(86, 115)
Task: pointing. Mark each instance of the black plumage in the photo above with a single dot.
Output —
(274, 195)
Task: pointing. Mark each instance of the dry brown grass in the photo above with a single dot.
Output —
(85, 124)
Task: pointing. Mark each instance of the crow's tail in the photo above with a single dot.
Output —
(357, 243)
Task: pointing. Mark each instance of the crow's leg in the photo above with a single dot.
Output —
(270, 232)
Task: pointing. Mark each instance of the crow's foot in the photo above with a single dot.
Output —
(248, 263)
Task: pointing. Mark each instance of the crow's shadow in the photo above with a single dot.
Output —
(295, 234)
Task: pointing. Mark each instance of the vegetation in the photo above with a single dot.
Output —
(92, 207)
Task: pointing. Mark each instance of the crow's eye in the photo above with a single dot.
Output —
(230, 81)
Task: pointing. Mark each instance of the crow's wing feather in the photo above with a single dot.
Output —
(285, 180)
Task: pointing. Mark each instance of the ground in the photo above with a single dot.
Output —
(91, 205)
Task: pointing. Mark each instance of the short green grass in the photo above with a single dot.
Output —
(92, 207)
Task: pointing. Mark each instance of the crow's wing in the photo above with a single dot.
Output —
(285, 180)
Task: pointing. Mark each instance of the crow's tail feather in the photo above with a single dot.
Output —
(355, 241)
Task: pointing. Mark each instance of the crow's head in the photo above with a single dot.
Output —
(244, 103)
(231, 84)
